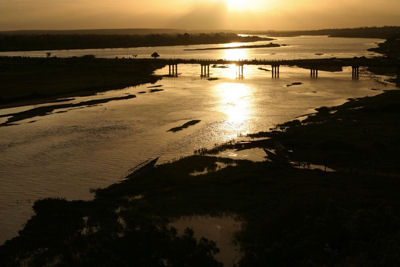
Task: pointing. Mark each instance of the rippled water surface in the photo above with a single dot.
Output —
(69, 152)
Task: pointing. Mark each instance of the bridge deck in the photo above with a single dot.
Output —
(309, 63)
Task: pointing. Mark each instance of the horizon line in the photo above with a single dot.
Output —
(191, 30)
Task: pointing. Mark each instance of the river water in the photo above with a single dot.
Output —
(296, 48)
(69, 152)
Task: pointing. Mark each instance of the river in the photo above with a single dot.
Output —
(70, 151)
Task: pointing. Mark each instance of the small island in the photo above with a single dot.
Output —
(236, 47)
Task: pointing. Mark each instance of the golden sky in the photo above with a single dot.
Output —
(190, 14)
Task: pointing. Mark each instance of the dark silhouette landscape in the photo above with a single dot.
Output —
(325, 192)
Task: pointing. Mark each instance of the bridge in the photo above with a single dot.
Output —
(314, 65)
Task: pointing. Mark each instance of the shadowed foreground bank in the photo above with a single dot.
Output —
(37, 79)
(292, 216)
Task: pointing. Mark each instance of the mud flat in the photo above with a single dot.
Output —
(39, 80)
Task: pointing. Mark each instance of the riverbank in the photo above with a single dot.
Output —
(39, 80)
(391, 47)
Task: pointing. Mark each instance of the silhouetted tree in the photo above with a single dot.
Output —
(155, 55)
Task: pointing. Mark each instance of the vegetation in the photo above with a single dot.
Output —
(132, 31)
(30, 79)
(155, 55)
(29, 42)
(391, 47)
(328, 138)
(86, 234)
(364, 32)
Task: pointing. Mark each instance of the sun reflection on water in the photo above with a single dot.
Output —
(234, 44)
(235, 101)
(235, 54)
(229, 72)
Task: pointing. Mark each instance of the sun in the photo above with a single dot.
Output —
(236, 5)
(241, 5)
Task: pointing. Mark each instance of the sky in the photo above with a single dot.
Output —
(190, 14)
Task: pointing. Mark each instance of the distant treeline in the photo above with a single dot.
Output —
(24, 42)
(133, 31)
(365, 32)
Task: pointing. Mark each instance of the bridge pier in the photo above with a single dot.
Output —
(398, 72)
(314, 73)
(312, 65)
(275, 71)
(355, 72)
(239, 70)
(173, 70)
(205, 70)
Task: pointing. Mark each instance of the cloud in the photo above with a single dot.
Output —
(211, 16)
(190, 14)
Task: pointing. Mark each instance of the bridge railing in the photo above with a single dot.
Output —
(223, 61)
(306, 63)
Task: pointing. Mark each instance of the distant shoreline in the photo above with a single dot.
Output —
(364, 32)
(49, 42)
